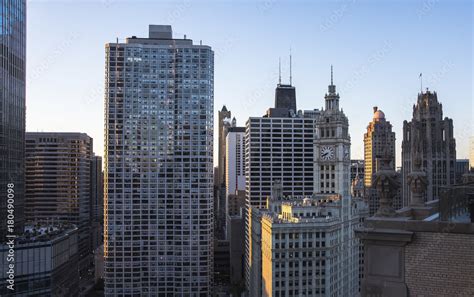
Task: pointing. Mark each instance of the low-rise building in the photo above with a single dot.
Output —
(45, 262)
(306, 246)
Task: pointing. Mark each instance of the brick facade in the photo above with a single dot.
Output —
(440, 264)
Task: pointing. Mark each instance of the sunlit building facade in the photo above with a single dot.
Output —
(158, 237)
(379, 145)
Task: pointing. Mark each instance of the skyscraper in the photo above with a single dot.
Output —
(58, 184)
(379, 144)
(235, 171)
(158, 237)
(235, 161)
(12, 110)
(430, 138)
(224, 118)
(224, 124)
(278, 146)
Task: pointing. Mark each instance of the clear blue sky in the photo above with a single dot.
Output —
(378, 49)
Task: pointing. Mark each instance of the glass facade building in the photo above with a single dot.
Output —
(158, 179)
(12, 107)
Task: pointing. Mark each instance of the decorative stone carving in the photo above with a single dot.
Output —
(417, 179)
(277, 190)
(386, 183)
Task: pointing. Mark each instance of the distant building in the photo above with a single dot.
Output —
(59, 184)
(379, 143)
(462, 167)
(357, 169)
(221, 263)
(357, 178)
(471, 153)
(12, 111)
(97, 203)
(235, 171)
(46, 261)
(158, 198)
(285, 97)
(357, 187)
(278, 145)
(224, 124)
(432, 138)
(235, 160)
(297, 240)
(235, 234)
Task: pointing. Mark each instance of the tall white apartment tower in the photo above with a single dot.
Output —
(158, 237)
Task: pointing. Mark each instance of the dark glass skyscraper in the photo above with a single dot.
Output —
(12, 108)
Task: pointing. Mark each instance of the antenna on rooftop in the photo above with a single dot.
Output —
(290, 69)
(279, 70)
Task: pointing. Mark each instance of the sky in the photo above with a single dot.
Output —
(377, 48)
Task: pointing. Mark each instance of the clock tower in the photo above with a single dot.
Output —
(332, 146)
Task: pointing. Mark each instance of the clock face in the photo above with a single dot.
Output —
(327, 153)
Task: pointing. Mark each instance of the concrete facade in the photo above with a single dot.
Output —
(297, 245)
(46, 262)
(332, 145)
(158, 197)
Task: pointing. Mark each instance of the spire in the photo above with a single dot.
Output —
(332, 87)
(224, 108)
(331, 76)
(332, 98)
(279, 70)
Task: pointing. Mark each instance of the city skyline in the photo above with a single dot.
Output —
(218, 148)
(366, 58)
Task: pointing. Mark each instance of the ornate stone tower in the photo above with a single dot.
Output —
(332, 147)
(434, 138)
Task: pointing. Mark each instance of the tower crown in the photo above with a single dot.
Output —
(378, 115)
(332, 98)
